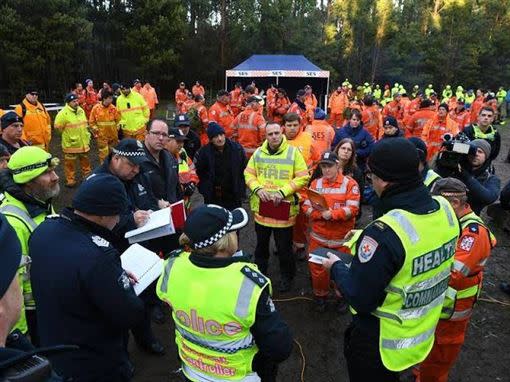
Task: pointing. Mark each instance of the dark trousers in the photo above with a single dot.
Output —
(143, 331)
(361, 350)
(283, 240)
(31, 315)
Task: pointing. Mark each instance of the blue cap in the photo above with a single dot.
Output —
(214, 129)
(9, 118)
(11, 255)
(71, 97)
(101, 195)
(132, 150)
(181, 120)
(319, 114)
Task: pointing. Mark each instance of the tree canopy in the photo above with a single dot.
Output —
(54, 43)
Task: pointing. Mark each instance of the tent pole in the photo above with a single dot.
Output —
(226, 79)
(327, 95)
(277, 82)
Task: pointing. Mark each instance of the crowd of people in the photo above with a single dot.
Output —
(411, 277)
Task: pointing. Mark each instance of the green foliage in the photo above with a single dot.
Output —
(54, 43)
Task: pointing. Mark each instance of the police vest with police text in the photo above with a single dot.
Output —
(213, 310)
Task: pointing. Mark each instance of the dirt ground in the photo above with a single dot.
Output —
(485, 355)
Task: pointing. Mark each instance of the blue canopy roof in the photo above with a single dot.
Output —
(277, 62)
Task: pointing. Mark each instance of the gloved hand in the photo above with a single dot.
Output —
(189, 188)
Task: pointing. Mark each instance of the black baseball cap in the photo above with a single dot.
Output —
(209, 223)
(71, 97)
(176, 134)
(329, 157)
(9, 118)
(181, 120)
(390, 121)
(132, 149)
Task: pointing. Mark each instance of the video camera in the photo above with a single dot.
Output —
(454, 151)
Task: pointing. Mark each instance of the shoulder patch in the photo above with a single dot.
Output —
(255, 276)
(355, 190)
(100, 242)
(123, 281)
(473, 227)
(467, 243)
(367, 249)
(174, 253)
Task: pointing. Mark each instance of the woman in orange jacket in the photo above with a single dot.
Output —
(330, 223)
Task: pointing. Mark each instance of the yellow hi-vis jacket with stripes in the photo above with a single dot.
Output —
(285, 172)
(213, 310)
(134, 112)
(74, 127)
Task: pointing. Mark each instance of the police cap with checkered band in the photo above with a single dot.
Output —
(132, 150)
(209, 223)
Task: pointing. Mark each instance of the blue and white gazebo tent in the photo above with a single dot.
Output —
(291, 72)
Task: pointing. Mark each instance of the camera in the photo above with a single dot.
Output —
(454, 151)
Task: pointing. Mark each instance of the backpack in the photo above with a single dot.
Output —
(24, 109)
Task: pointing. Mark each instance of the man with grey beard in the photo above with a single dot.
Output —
(28, 184)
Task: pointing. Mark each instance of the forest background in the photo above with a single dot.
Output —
(54, 43)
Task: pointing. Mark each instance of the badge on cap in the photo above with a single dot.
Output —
(367, 249)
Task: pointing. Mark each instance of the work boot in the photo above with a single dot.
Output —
(285, 285)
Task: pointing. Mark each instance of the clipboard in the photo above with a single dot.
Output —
(270, 210)
(317, 198)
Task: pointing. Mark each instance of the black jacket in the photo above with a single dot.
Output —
(83, 298)
(505, 197)
(204, 164)
(151, 170)
(192, 144)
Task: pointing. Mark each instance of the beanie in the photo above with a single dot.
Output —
(214, 129)
(101, 195)
(29, 162)
(395, 160)
(484, 145)
(421, 148)
(319, 114)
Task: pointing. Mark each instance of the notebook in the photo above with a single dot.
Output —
(159, 224)
(320, 253)
(317, 198)
(144, 264)
(178, 214)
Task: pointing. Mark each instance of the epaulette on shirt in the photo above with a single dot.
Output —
(380, 225)
(174, 253)
(257, 277)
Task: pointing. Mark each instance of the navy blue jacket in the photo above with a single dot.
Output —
(83, 298)
(204, 165)
(192, 144)
(140, 197)
(363, 285)
(483, 186)
(362, 139)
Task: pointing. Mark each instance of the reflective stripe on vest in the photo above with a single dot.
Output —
(197, 376)
(430, 177)
(406, 343)
(21, 214)
(326, 242)
(288, 160)
(332, 190)
(219, 346)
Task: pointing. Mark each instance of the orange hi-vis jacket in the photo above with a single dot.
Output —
(222, 115)
(343, 199)
(236, 101)
(279, 108)
(405, 103)
(395, 110)
(270, 98)
(249, 130)
(411, 108)
(180, 97)
(476, 106)
(322, 134)
(338, 102)
(311, 102)
(104, 121)
(417, 122)
(304, 143)
(150, 96)
(303, 115)
(433, 133)
(462, 118)
(90, 99)
(36, 123)
(187, 105)
(197, 90)
(473, 249)
(371, 118)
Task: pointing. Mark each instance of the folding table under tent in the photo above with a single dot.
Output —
(290, 72)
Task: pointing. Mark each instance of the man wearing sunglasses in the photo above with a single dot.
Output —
(29, 184)
(36, 120)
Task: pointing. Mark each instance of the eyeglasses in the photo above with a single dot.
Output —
(159, 134)
(25, 261)
(34, 93)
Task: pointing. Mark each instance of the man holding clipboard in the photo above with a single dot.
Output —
(275, 173)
